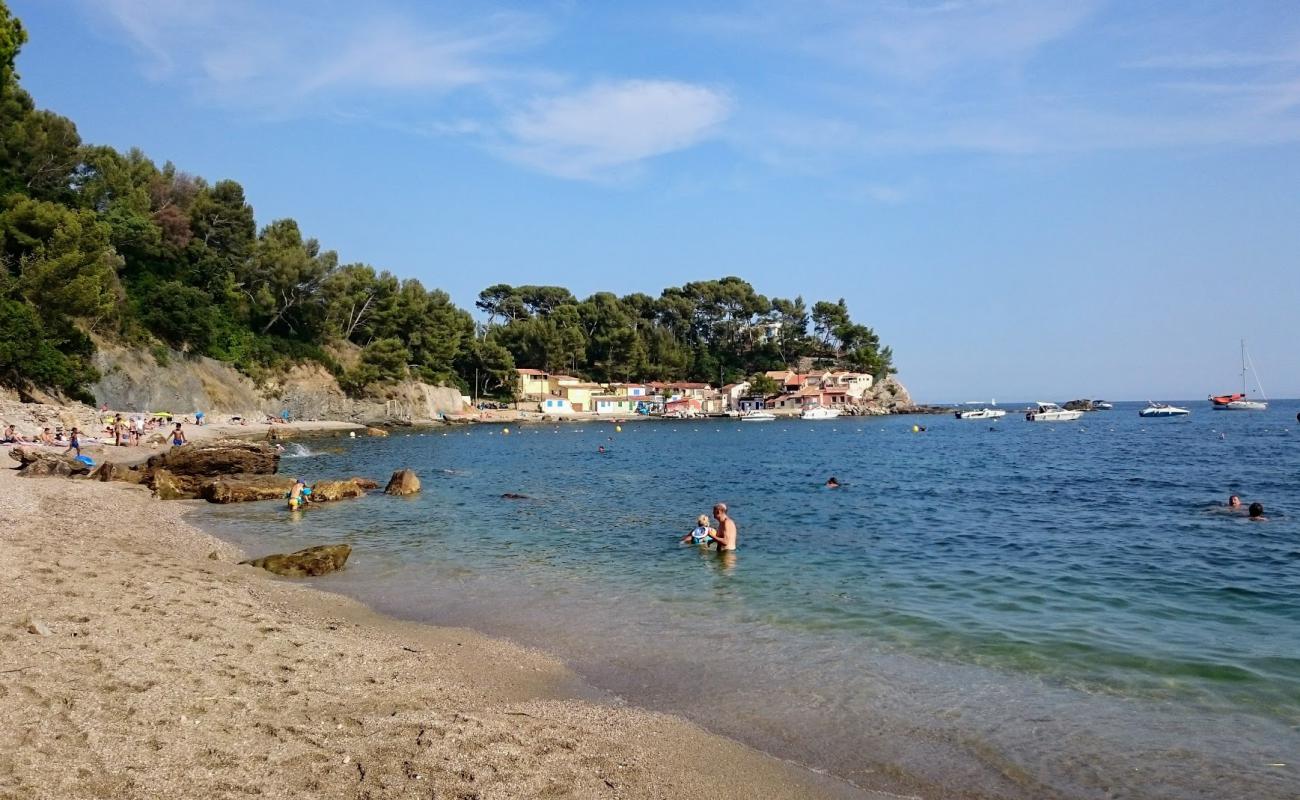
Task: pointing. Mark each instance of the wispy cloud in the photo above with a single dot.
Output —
(285, 56)
(608, 126)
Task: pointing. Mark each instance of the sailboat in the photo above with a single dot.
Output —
(1237, 401)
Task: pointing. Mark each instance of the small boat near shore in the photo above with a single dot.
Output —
(1162, 410)
(980, 413)
(758, 416)
(819, 412)
(1051, 412)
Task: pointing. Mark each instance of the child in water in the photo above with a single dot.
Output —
(701, 533)
(299, 494)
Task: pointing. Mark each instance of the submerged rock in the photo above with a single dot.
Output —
(246, 488)
(376, 432)
(327, 491)
(403, 482)
(305, 563)
(43, 464)
(514, 496)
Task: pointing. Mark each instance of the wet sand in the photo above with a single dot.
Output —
(137, 660)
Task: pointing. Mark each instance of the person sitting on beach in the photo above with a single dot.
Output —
(178, 436)
(1234, 502)
(726, 533)
(1257, 513)
(11, 436)
(198, 418)
(832, 483)
(74, 443)
(46, 438)
(701, 534)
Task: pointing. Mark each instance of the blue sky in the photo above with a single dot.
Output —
(1026, 199)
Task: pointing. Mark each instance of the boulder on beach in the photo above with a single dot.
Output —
(43, 464)
(246, 488)
(305, 563)
(403, 482)
(218, 457)
(327, 491)
(167, 486)
(113, 471)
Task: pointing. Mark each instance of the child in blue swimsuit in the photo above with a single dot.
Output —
(701, 533)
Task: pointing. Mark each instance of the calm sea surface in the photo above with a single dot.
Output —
(998, 609)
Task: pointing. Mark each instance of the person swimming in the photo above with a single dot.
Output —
(1257, 513)
(701, 533)
(832, 482)
(1234, 502)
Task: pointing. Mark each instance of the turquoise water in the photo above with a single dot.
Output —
(997, 609)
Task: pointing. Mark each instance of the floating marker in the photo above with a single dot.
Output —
(618, 429)
(505, 431)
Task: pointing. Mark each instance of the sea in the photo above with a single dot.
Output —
(985, 609)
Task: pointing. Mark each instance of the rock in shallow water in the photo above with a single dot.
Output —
(325, 491)
(167, 486)
(403, 482)
(305, 563)
(246, 488)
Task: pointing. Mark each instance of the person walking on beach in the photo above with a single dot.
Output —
(178, 436)
(118, 425)
(725, 536)
(74, 443)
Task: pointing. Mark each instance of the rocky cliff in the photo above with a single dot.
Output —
(133, 380)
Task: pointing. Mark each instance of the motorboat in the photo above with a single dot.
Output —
(1163, 410)
(819, 412)
(981, 413)
(758, 416)
(1238, 401)
(1102, 405)
(1051, 412)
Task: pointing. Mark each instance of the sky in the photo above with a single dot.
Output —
(1025, 198)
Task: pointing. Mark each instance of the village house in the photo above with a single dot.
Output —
(580, 394)
(732, 393)
(617, 404)
(555, 405)
(533, 384)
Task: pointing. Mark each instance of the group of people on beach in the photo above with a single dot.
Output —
(722, 537)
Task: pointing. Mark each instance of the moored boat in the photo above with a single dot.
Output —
(816, 412)
(1163, 410)
(1238, 401)
(981, 413)
(758, 416)
(1051, 412)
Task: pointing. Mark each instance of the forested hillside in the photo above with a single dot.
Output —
(95, 241)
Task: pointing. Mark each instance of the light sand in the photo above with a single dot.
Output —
(167, 674)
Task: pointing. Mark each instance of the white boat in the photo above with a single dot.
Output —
(981, 413)
(819, 412)
(758, 416)
(1239, 401)
(1163, 410)
(1102, 405)
(1051, 412)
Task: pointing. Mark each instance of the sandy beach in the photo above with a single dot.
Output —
(139, 661)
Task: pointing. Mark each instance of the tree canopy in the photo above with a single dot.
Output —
(95, 241)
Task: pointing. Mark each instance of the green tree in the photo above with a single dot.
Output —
(284, 276)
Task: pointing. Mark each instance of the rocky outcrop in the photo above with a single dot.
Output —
(365, 483)
(34, 463)
(112, 471)
(404, 482)
(886, 397)
(216, 458)
(1081, 405)
(246, 488)
(329, 491)
(376, 432)
(167, 486)
(305, 563)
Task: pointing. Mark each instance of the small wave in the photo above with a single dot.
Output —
(295, 450)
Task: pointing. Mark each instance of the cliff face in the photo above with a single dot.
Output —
(133, 380)
(886, 397)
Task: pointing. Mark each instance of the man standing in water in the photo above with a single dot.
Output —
(726, 533)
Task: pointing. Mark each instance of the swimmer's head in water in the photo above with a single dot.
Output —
(1234, 501)
(703, 521)
(1256, 510)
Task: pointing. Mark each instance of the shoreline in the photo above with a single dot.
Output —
(169, 671)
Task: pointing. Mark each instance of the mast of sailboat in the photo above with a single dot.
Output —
(1247, 361)
(1243, 366)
